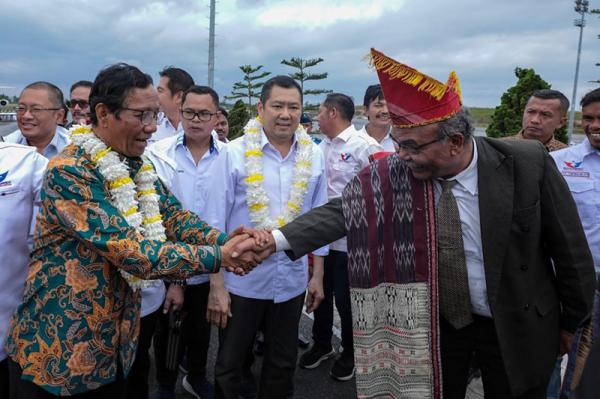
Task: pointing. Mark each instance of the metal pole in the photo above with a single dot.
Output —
(211, 46)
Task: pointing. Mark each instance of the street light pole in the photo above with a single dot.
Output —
(581, 7)
(211, 46)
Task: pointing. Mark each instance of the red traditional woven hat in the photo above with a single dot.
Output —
(413, 98)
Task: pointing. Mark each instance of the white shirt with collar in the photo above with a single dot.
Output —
(387, 143)
(345, 155)
(164, 129)
(580, 166)
(466, 193)
(59, 141)
(21, 173)
(190, 183)
(277, 278)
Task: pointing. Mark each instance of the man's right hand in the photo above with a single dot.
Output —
(261, 244)
(243, 262)
(218, 309)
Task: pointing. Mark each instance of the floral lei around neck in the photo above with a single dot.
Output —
(136, 199)
(256, 195)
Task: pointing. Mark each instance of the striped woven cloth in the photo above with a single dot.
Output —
(390, 219)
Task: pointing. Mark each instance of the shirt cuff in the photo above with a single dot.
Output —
(281, 243)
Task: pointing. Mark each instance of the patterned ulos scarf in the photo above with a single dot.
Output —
(390, 219)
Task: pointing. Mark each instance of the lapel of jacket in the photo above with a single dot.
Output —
(496, 184)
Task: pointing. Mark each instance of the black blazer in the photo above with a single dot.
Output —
(539, 270)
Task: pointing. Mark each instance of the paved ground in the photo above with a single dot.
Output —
(309, 384)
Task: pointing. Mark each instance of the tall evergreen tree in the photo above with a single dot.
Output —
(508, 116)
(249, 88)
(238, 117)
(302, 75)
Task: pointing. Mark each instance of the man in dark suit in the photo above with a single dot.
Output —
(527, 275)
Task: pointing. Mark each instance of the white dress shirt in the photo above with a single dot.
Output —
(278, 278)
(190, 183)
(345, 155)
(21, 173)
(59, 141)
(387, 143)
(466, 193)
(164, 129)
(580, 166)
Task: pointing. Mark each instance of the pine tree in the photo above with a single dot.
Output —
(238, 117)
(302, 75)
(249, 88)
(508, 116)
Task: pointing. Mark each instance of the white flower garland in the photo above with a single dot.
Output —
(126, 194)
(256, 196)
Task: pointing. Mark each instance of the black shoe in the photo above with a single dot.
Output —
(343, 368)
(199, 387)
(315, 356)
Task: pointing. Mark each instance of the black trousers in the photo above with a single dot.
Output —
(4, 378)
(22, 389)
(136, 384)
(335, 286)
(196, 336)
(479, 340)
(281, 346)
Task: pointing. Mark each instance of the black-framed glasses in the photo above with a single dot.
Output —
(146, 116)
(82, 103)
(414, 149)
(35, 111)
(203, 116)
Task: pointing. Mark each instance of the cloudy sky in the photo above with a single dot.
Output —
(483, 40)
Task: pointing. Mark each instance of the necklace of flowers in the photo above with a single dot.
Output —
(126, 194)
(256, 195)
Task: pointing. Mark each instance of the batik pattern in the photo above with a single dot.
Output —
(79, 317)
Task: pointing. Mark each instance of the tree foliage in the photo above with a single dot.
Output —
(508, 116)
(249, 87)
(238, 117)
(302, 75)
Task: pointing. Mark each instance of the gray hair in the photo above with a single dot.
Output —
(459, 123)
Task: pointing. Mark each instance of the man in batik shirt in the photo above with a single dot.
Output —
(105, 222)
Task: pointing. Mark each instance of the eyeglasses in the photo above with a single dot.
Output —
(414, 149)
(204, 116)
(35, 111)
(82, 103)
(146, 116)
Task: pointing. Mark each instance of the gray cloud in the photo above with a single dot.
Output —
(63, 41)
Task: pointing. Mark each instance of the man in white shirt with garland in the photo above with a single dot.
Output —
(39, 112)
(346, 152)
(379, 126)
(266, 178)
(580, 166)
(21, 173)
(173, 83)
(185, 163)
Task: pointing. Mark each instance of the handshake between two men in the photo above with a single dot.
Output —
(246, 249)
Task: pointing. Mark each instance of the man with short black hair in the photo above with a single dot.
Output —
(39, 113)
(79, 103)
(580, 166)
(270, 175)
(185, 163)
(173, 83)
(544, 113)
(222, 126)
(379, 126)
(346, 152)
